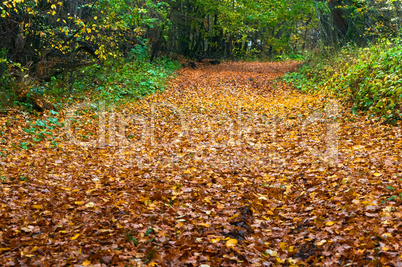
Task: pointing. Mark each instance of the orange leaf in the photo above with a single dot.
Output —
(231, 243)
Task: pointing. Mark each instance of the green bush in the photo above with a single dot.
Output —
(120, 79)
(369, 78)
(8, 93)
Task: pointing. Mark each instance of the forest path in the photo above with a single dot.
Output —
(224, 168)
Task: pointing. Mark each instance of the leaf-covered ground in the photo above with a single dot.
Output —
(224, 168)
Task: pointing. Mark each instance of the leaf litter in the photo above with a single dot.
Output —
(227, 167)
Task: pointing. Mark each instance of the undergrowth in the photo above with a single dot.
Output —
(114, 81)
(117, 80)
(369, 78)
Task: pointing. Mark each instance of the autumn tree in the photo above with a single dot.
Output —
(344, 21)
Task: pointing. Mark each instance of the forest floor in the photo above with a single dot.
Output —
(226, 167)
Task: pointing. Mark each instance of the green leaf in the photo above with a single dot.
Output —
(392, 198)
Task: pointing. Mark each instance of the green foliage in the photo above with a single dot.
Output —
(119, 79)
(130, 238)
(41, 129)
(289, 56)
(24, 145)
(135, 77)
(7, 94)
(369, 78)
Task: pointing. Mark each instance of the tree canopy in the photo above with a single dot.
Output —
(49, 36)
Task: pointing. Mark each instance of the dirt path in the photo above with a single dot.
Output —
(225, 168)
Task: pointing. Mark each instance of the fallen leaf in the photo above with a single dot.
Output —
(231, 243)
(75, 237)
(90, 205)
(272, 253)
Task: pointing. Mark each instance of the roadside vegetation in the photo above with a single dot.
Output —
(368, 78)
(114, 81)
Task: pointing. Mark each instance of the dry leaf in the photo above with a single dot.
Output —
(231, 243)
(75, 237)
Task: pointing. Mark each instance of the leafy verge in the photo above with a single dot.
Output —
(115, 80)
(369, 78)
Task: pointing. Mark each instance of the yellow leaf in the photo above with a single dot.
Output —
(152, 263)
(377, 174)
(38, 207)
(75, 237)
(204, 224)
(270, 212)
(282, 245)
(234, 216)
(266, 218)
(47, 213)
(388, 209)
(90, 205)
(279, 260)
(231, 243)
(86, 263)
(330, 223)
(178, 225)
(215, 240)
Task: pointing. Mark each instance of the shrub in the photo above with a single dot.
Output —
(118, 79)
(370, 78)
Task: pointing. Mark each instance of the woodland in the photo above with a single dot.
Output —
(200, 133)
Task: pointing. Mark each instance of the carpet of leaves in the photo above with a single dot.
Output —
(227, 167)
